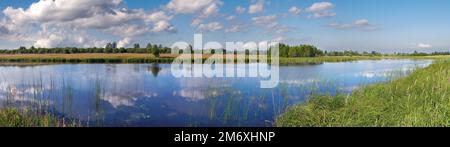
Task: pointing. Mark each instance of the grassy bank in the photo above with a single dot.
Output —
(351, 58)
(10, 117)
(421, 99)
(168, 58)
(82, 58)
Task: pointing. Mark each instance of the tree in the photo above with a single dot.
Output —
(292, 52)
(114, 45)
(156, 52)
(109, 46)
(22, 49)
(137, 46)
(149, 46)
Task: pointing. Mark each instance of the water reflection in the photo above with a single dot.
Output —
(154, 69)
(148, 94)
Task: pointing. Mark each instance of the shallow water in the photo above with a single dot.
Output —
(149, 95)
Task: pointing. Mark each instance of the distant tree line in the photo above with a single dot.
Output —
(312, 51)
(155, 49)
(352, 53)
(110, 48)
(299, 51)
(424, 54)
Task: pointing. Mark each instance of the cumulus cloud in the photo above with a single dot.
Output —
(232, 17)
(64, 38)
(191, 6)
(240, 9)
(60, 10)
(282, 29)
(321, 9)
(109, 16)
(124, 42)
(157, 16)
(294, 10)
(362, 24)
(204, 8)
(98, 14)
(257, 7)
(163, 26)
(340, 26)
(279, 39)
(196, 22)
(269, 21)
(233, 29)
(11, 32)
(211, 27)
(129, 30)
(424, 45)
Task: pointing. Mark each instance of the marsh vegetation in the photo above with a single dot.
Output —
(419, 100)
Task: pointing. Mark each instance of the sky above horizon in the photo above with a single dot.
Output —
(361, 25)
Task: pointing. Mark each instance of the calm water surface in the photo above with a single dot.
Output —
(148, 94)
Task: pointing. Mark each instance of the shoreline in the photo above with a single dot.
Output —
(131, 58)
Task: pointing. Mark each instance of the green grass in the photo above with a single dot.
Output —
(351, 58)
(11, 117)
(420, 100)
(325, 59)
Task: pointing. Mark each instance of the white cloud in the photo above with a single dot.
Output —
(60, 10)
(282, 29)
(233, 29)
(294, 10)
(336, 25)
(362, 24)
(85, 14)
(124, 42)
(257, 7)
(424, 45)
(163, 26)
(204, 7)
(11, 32)
(321, 9)
(279, 39)
(232, 17)
(269, 21)
(213, 26)
(66, 38)
(189, 6)
(210, 10)
(132, 30)
(240, 10)
(196, 22)
(110, 16)
(157, 16)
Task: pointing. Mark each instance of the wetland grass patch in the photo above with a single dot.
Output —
(421, 99)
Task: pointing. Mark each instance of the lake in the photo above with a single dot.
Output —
(149, 95)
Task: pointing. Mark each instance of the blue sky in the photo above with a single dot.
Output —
(363, 25)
